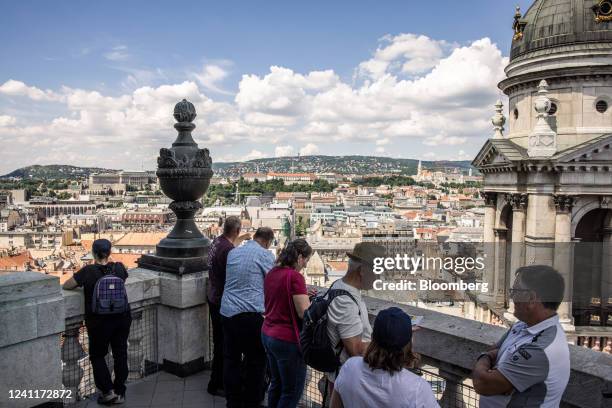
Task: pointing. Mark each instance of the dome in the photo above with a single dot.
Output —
(552, 24)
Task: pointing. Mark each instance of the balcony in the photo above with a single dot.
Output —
(43, 344)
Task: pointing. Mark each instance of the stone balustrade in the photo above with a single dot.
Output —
(595, 338)
(43, 343)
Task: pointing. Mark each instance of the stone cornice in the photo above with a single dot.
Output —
(547, 166)
(554, 77)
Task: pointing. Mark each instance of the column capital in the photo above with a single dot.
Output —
(518, 201)
(490, 198)
(563, 203)
(500, 232)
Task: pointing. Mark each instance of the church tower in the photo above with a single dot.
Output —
(548, 179)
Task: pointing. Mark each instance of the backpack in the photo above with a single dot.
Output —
(109, 295)
(317, 350)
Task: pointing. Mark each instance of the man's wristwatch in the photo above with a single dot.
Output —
(487, 355)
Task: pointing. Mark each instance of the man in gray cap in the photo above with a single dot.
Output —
(348, 325)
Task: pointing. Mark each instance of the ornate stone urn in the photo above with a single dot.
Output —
(184, 173)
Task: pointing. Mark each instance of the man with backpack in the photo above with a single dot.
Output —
(336, 325)
(107, 318)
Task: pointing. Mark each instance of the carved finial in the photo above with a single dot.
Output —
(519, 25)
(543, 139)
(184, 111)
(498, 120)
(542, 102)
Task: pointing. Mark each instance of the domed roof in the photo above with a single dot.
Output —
(556, 23)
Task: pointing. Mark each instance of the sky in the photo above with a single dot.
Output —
(94, 83)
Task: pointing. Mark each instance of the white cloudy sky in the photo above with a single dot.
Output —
(411, 96)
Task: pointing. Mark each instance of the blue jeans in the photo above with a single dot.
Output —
(288, 372)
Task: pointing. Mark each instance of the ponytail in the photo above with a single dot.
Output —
(293, 249)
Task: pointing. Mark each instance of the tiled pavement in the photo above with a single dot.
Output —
(164, 390)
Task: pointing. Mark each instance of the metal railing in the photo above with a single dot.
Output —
(450, 394)
(77, 374)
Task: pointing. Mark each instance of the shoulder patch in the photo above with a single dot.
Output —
(524, 353)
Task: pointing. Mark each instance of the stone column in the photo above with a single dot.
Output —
(540, 230)
(32, 316)
(606, 263)
(500, 265)
(182, 323)
(519, 208)
(489, 241)
(517, 253)
(563, 261)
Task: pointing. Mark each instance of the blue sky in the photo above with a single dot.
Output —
(90, 59)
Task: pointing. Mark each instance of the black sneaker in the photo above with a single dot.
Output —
(108, 398)
(120, 399)
(219, 392)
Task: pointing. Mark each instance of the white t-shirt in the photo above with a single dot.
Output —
(361, 387)
(347, 319)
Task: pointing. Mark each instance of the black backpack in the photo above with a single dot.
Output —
(317, 350)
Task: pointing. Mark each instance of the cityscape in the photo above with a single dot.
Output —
(519, 174)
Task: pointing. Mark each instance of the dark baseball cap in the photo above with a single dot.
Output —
(392, 329)
(101, 246)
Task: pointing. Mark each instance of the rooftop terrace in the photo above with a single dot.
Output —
(43, 343)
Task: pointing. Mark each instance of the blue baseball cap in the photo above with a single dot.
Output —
(392, 329)
(101, 246)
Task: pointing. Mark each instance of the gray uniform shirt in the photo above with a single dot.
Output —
(536, 361)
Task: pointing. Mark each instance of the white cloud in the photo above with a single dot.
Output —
(18, 88)
(282, 92)
(254, 154)
(406, 53)
(117, 53)
(211, 75)
(444, 140)
(6, 120)
(309, 150)
(282, 151)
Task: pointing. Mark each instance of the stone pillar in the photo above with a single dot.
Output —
(489, 241)
(540, 230)
(606, 264)
(32, 316)
(500, 265)
(563, 261)
(517, 253)
(182, 323)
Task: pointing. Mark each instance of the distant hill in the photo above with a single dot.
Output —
(307, 164)
(335, 164)
(55, 171)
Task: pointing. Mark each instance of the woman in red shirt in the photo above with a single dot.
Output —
(286, 299)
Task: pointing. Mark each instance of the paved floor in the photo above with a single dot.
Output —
(166, 390)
